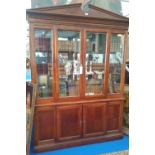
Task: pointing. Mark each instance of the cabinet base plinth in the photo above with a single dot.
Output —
(77, 142)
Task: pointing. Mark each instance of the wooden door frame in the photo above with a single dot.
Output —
(68, 28)
(122, 76)
(40, 100)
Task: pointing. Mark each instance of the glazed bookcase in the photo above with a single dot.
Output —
(78, 64)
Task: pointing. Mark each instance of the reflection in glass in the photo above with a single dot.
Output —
(43, 60)
(116, 58)
(69, 62)
(95, 55)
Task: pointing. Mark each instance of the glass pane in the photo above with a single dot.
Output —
(44, 62)
(69, 62)
(95, 54)
(116, 59)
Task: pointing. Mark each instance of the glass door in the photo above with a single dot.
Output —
(43, 54)
(94, 65)
(69, 63)
(115, 63)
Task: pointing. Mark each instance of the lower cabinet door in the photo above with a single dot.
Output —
(114, 116)
(44, 125)
(94, 119)
(69, 122)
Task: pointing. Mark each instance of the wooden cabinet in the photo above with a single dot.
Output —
(78, 64)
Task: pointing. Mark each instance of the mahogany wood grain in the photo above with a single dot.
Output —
(84, 61)
(114, 114)
(94, 119)
(82, 76)
(56, 63)
(69, 122)
(106, 70)
(44, 128)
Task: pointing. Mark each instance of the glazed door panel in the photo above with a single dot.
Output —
(114, 114)
(94, 64)
(44, 124)
(69, 122)
(69, 62)
(115, 63)
(44, 62)
(94, 116)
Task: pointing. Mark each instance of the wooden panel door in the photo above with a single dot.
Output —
(69, 122)
(44, 125)
(94, 119)
(114, 116)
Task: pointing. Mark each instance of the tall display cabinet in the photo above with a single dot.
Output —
(78, 64)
